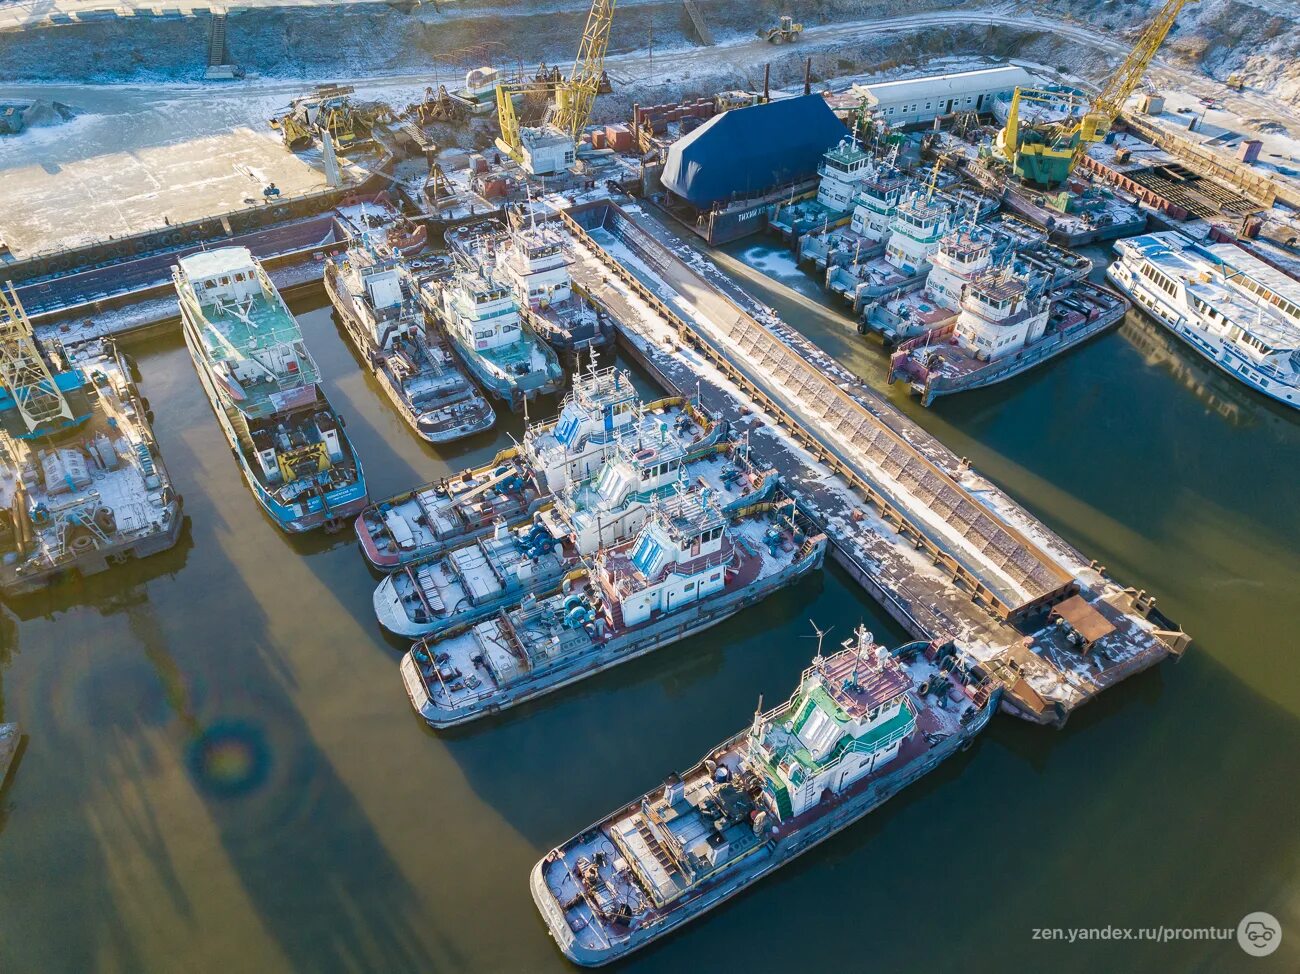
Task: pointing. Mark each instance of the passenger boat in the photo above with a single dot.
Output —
(372, 294)
(533, 260)
(863, 724)
(1226, 304)
(601, 407)
(263, 386)
(83, 486)
(476, 578)
(689, 568)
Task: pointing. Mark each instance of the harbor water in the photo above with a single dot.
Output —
(223, 772)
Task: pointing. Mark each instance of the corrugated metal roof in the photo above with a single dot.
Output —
(1006, 77)
(746, 151)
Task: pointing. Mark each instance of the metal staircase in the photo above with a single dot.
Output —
(697, 21)
(219, 66)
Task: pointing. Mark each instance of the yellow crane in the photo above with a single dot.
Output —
(575, 95)
(1047, 153)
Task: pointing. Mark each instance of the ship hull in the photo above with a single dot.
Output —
(34, 578)
(345, 502)
(360, 339)
(94, 561)
(876, 792)
(1000, 371)
(673, 628)
(1209, 348)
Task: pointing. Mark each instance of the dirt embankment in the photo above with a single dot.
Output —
(1219, 37)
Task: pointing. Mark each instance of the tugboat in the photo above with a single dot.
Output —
(533, 261)
(263, 386)
(864, 724)
(371, 293)
(482, 318)
(602, 407)
(83, 486)
(1010, 321)
(470, 581)
(690, 567)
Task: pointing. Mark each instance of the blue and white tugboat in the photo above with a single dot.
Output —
(264, 388)
(863, 724)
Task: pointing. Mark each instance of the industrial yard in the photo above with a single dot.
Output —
(966, 336)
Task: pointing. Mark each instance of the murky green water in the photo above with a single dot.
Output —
(223, 773)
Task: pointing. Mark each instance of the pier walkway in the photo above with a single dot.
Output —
(944, 551)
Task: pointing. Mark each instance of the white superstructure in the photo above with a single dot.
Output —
(841, 169)
(1000, 315)
(962, 255)
(919, 225)
(1237, 311)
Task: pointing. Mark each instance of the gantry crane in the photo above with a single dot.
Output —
(1046, 153)
(25, 376)
(575, 96)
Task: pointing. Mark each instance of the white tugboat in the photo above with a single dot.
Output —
(1228, 305)
(483, 321)
(469, 581)
(1010, 321)
(863, 724)
(874, 205)
(918, 227)
(688, 569)
(842, 167)
(373, 296)
(82, 483)
(602, 407)
(534, 261)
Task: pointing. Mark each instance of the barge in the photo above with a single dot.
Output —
(264, 387)
(83, 486)
(863, 724)
(688, 569)
(372, 294)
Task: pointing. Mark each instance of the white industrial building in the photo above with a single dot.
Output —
(918, 100)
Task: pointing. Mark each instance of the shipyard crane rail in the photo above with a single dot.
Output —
(1048, 153)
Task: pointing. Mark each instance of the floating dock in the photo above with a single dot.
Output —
(948, 554)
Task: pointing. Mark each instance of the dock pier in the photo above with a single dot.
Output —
(942, 549)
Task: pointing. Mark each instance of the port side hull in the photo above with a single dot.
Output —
(787, 849)
(995, 372)
(1191, 337)
(673, 628)
(361, 341)
(349, 501)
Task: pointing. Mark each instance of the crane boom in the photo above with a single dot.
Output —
(1107, 106)
(23, 371)
(575, 99)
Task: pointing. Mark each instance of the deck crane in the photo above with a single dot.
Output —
(1045, 153)
(25, 377)
(575, 96)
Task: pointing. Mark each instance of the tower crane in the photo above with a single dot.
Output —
(1046, 153)
(25, 376)
(575, 96)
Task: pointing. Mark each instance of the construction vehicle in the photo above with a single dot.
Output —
(785, 32)
(575, 96)
(328, 109)
(1046, 153)
(1236, 82)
